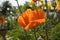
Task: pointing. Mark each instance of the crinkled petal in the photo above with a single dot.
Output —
(34, 23)
(21, 21)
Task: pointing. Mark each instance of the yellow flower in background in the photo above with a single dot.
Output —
(32, 2)
(45, 8)
(49, 4)
(52, 8)
(57, 2)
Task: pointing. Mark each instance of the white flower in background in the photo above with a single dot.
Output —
(11, 12)
(40, 38)
(8, 8)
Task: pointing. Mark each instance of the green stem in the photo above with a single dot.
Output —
(18, 6)
(46, 30)
(26, 34)
(4, 38)
(35, 34)
(21, 12)
(4, 35)
(47, 8)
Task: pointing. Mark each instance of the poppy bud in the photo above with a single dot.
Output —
(2, 20)
(35, 0)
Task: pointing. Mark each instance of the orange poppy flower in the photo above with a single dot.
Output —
(2, 20)
(35, 0)
(58, 7)
(31, 18)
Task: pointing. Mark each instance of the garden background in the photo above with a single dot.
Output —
(11, 30)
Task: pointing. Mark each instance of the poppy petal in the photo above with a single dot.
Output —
(34, 23)
(21, 21)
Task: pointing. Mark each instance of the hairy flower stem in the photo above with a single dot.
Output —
(21, 12)
(46, 30)
(35, 34)
(26, 34)
(4, 35)
(18, 6)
